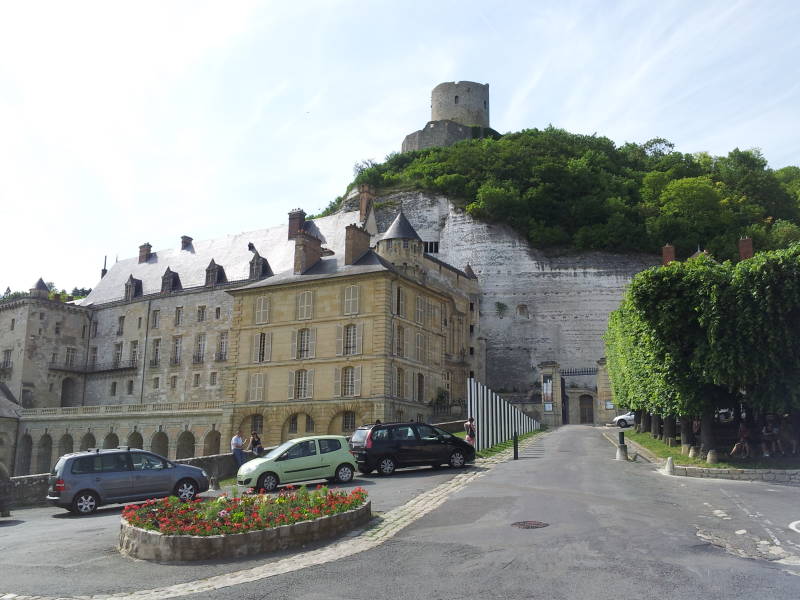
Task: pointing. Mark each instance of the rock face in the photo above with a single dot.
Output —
(537, 306)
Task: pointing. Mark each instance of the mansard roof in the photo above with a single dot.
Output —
(230, 250)
(401, 229)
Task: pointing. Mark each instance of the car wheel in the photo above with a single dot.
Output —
(268, 482)
(344, 473)
(85, 503)
(386, 465)
(622, 423)
(186, 490)
(457, 459)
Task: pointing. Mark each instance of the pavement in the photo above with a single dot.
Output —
(613, 530)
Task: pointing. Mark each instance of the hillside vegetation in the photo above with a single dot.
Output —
(562, 189)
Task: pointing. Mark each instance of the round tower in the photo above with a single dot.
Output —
(464, 102)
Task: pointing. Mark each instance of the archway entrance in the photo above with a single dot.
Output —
(185, 445)
(24, 452)
(88, 441)
(66, 445)
(160, 444)
(587, 409)
(211, 444)
(111, 441)
(45, 452)
(135, 440)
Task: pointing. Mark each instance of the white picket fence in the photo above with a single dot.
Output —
(495, 419)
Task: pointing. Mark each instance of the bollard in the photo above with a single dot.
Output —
(516, 446)
(669, 468)
(622, 452)
(621, 438)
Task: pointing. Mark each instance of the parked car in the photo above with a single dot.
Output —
(389, 446)
(300, 459)
(624, 420)
(82, 481)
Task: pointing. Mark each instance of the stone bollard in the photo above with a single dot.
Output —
(712, 457)
(622, 452)
(685, 449)
(213, 483)
(669, 468)
(694, 452)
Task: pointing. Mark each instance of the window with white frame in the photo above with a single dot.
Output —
(212, 378)
(155, 319)
(348, 420)
(70, 357)
(156, 352)
(351, 297)
(200, 347)
(419, 315)
(301, 384)
(400, 342)
(133, 352)
(256, 388)
(257, 423)
(351, 342)
(222, 346)
(400, 302)
(304, 343)
(177, 347)
(262, 309)
(201, 314)
(178, 316)
(117, 354)
(348, 381)
(305, 308)
(421, 347)
(262, 347)
(400, 383)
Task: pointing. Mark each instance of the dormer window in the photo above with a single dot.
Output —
(215, 274)
(170, 282)
(133, 288)
(259, 267)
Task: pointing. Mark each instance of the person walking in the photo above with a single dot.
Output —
(254, 444)
(469, 428)
(236, 448)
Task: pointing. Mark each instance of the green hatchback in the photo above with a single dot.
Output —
(301, 459)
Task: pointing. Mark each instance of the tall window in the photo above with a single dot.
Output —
(257, 423)
(420, 387)
(400, 342)
(309, 424)
(70, 358)
(547, 392)
(217, 312)
(301, 384)
(134, 352)
(419, 316)
(13, 322)
(222, 346)
(120, 325)
(293, 423)
(113, 388)
(156, 383)
(177, 346)
(305, 305)
(178, 316)
(155, 319)
(156, 358)
(256, 391)
(421, 347)
(201, 314)
(304, 343)
(400, 384)
(117, 354)
(58, 329)
(348, 420)
(262, 309)
(94, 329)
(212, 378)
(130, 386)
(199, 348)
(347, 381)
(196, 381)
(93, 356)
(351, 297)
(350, 339)
(262, 347)
(400, 302)
(173, 382)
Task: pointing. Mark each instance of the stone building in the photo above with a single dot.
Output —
(152, 358)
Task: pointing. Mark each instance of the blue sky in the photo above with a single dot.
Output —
(124, 123)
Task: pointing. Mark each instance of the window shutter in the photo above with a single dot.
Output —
(406, 335)
(312, 342)
(413, 377)
(395, 382)
(310, 305)
(310, 384)
(395, 340)
(343, 299)
(256, 337)
(405, 386)
(266, 309)
(260, 387)
(356, 294)
(402, 310)
(268, 347)
(294, 344)
(359, 337)
(291, 385)
(426, 344)
(337, 382)
(339, 340)
(297, 312)
(357, 381)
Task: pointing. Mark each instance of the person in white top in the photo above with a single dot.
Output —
(236, 448)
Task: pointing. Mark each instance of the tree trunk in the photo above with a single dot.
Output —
(655, 426)
(669, 430)
(645, 422)
(686, 434)
(707, 432)
(637, 420)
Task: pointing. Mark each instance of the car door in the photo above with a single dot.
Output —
(407, 445)
(151, 477)
(301, 462)
(432, 444)
(114, 479)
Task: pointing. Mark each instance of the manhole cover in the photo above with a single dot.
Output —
(529, 524)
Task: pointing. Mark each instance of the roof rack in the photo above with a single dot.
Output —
(123, 447)
(96, 450)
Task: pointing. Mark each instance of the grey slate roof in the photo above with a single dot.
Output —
(401, 229)
(41, 286)
(230, 252)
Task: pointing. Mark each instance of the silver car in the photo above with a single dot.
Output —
(624, 420)
(82, 481)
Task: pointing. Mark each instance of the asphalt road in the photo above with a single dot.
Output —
(615, 530)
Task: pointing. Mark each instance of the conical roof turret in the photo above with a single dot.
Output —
(401, 229)
(41, 286)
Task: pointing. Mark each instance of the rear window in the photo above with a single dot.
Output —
(100, 463)
(86, 464)
(59, 465)
(326, 446)
(359, 435)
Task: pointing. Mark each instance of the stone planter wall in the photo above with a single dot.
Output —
(790, 476)
(153, 545)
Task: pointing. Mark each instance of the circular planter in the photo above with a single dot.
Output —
(153, 545)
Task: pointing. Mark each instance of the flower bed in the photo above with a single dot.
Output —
(171, 530)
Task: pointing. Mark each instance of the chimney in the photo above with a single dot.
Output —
(366, 194)
(667, 254)
(144, 252)
(356, 243)
(186, 242)
(297, 219)
(745, 248)
(103, 271)
(307, 251)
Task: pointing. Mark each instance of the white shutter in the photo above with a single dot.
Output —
(297, 311)
(291, 385)
(426, 344)
(413, 378)
(268, 347)
(294, 345)
(359, 337)
(406, 377)
(357, 381)
(395, 382)
(343, 300)
(395, 340)
(310, 383)
(402, 309)
(312, 342)
(406, 335)
(256, 339)
(309, 305)
(337, 382)
(339, 340)
(356, 295)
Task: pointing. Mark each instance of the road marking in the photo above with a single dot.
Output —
(795, 526)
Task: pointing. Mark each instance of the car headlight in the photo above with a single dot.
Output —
(203, 471)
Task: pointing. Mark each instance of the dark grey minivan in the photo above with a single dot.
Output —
(82, 481)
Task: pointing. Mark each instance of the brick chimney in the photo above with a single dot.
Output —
(186, 242)
(366, 195)
(297, 219)
(307, 251)
(745, 248)
(144, 252)
(667, 254)
(356, 243)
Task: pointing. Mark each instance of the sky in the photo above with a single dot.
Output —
(130, 122)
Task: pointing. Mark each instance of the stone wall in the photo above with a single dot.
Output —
(787, 476)
(444, 133)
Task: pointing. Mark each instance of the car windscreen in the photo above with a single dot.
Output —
(276, 452)
(359, 435)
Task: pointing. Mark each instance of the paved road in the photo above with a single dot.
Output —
(616, 530)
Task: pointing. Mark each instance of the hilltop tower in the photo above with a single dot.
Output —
(459, 111)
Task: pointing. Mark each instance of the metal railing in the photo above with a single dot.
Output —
(175, 361)
(221, 356)
(197, 359)
(96, 367)
(153, 407)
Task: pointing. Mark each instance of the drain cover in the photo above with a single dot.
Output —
(529, 524)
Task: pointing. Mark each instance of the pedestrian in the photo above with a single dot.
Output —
(771, 437)
(743, 441)
(236, 448)
(469, 428)
(254, 444)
